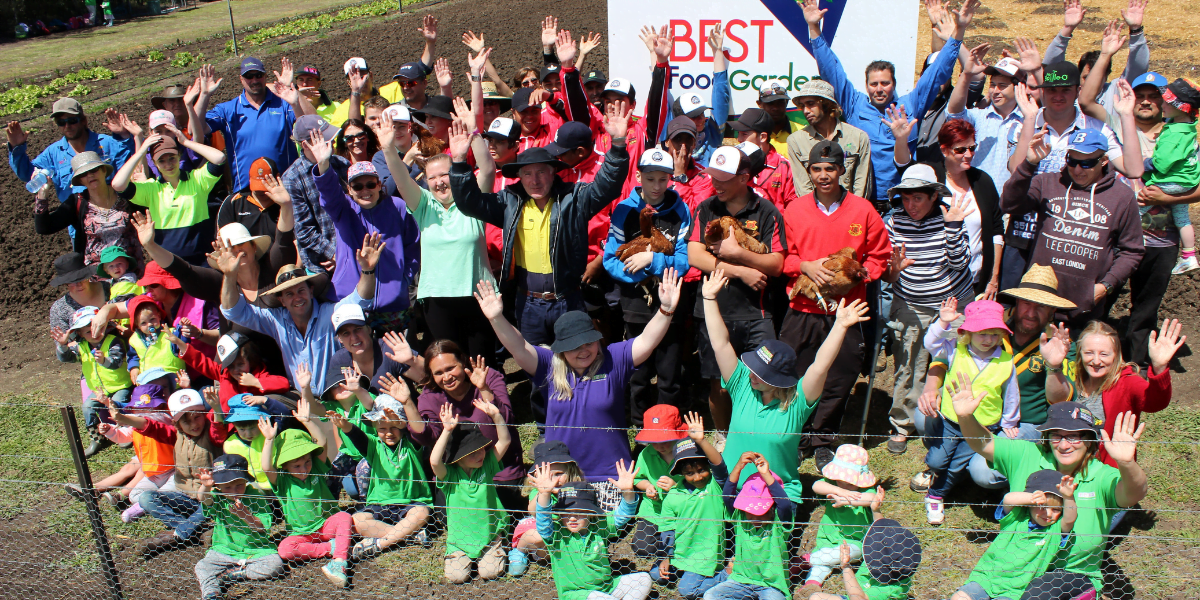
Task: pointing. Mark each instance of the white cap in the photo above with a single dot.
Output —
(724, 163)
(503, 128)
(357, 61)
(348, 314)
(1007, 66)
(161, 117)
(748, 148)
(397, 112)
(691, 103)
(656, 159)
(620, 86)
(183, 400)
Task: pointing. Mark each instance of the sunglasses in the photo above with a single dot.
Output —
(1083, 163)
(370, 185)
(961, 150)
(356, 137)
(411, 82)
(290, 275)
(67, 121)
(253, 75)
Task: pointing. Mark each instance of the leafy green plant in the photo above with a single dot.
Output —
(318, 22)
(155, 56)
(184, 59)
(24, 98)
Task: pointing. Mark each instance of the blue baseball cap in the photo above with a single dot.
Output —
(412, 71)
(252, 64)
(240, 411)
(1087, 141)
(1149, 78)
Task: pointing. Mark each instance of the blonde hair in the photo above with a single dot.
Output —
(964, 338)
(563, 376)
(1103, 329)
(785, 395)
(570, 469)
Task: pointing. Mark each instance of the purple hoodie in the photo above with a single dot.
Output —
(390, 218)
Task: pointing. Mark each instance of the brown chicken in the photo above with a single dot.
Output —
(718, 229)
(848, 273)
(655, 240)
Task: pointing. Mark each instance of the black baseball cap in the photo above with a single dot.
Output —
(413, 71)
(754, 119)
(595, 77)
(1070, 416)
(827, 151)
(228, 468)
(1059, 74)
(577, 496)
(520, 99)
(1045, 481)
(681, 125)
(570, 135)
(549, 70)
(573, 330)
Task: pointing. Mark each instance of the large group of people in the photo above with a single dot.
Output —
(282, 298)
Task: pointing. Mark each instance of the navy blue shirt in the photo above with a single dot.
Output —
(252, 134)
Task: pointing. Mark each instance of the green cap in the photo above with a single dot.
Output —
(293, 444)
(110, 254)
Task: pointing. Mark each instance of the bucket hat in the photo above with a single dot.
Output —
(849, 464)
(982, 315)
(573, 330)
(774, 362)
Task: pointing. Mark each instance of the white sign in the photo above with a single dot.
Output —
(762, 42)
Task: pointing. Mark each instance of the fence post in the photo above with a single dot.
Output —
(89, 500)
(232, 28)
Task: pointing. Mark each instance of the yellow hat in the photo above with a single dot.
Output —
(1040, 286)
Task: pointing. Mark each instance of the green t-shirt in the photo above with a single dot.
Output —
(460, 245)
(878, 591)
(1095, 497)
(1017, 555)
(843, 524)
(232, 536)
(475, 517)
(697, 516)
(306, 504)
(355, 417)
(651, 466)
(772, 432)
(580, 560)
(761, 554)
(396, 473)
(177, 207)
(1175, 160)
(1031, 379)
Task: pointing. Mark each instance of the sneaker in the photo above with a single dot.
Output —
(935, 511)
(921, 481)
(422, 537)
(897, 444)
(1185, 264)
(365, 548)
(518, 562)
(335, 571)
(133, 513)
(234, 575)
(822, 455)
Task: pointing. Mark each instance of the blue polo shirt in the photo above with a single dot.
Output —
(57, 159)
(252, 133)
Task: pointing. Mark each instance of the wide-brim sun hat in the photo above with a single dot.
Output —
(110, 254)
(465, 440)
(293, 444)
(983, 315)
(532, 156)
(849, 464)
(1039, 285)
(70, 268)
(234, 234)
(85, 162)
(774, 362)
(919, 177)
(891, 552)
(287, 277)
(572, 330)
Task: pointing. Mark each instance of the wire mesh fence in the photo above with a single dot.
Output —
(63, 537)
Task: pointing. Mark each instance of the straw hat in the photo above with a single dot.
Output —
(1040, 286)
(289, 276)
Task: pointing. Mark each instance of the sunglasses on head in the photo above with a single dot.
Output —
(67, 121)
(290, 275)
(1083, 163)
(370, 185)
(961, 150)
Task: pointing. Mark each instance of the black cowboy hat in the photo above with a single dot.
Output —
(532, 156)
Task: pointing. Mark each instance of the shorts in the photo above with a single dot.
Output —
(524, 525)
(974, 591)
(744, 335)
(390, 514)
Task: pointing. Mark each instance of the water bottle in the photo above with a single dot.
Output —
(40, 178)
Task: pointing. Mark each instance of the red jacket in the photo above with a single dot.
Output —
(1136, 395)
(272, 384)
(774, 182)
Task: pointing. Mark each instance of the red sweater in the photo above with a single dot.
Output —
(272, 384)
(812, 235)
(1136, 395)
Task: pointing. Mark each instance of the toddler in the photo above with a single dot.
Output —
(156, 458)
(762, 529)
(1175, 167)
(152, 350)
(247, 440)
(662, 428)
(852, 506)
(347, 394)
(117, 265)
(102, 359)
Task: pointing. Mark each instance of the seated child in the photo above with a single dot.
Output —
(149, 348)
(465, 470)
(1035, 528)
(851, 508)
(662, 428)
(693, 516)
(577, 534)
(347, 393)
(762, 529)
(241, 542)
(1175, 168)
(297, 470)
(237, 368)
(157, 458)
(245, 439)
(526, 542)
(891, 554)
(980, 354)
(102, 359)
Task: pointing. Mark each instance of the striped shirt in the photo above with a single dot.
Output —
(943, 258)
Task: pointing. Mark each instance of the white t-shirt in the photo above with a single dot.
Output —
(974, 224)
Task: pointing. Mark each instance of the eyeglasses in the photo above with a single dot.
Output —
(1071, 439)
(67, 121)
(1083, 163)
(961, 150)
(355, 137)
(370, 185)
(253, 75)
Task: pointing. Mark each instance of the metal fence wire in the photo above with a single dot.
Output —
(71, 529)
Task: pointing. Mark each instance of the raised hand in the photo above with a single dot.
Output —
(669, 287)
(338, 420)
(182, 379)
(275, 190)
(285, 73)
(944, 27)
(1054, 347)
(935, 10)
(16, 135)
(352, 376)
(132, 128)
(448, 418)
(489, 301)
(428, 29)
(1066, 487)
(963, 17)
(616, 120)
(205, 477)
(1112, 40)
(549, 31)
(716, 39)
(543, 480)
(964, 399)
(1038, 148)
(479, 372)
(899, 260)
(1028, 54)
(849, 315)
(372, 249)
(976, 59)
(1073, 12)
(460, 140)
(695, 426)
(1134, 13)
(897, 120)
(112, 122)
(209, 82)
(649, 37)
(1165, 343)
(303, 376)
(61, 337)
(959, 209)
(395, 387)
(144, 226)
(472, 41)
(193, 92)
(441, 68)
(303, 412)
(588, 43)
(223, 257)
(487, 408)
(478, 62)
(1124, 99)
(321, 149)
(401, 352)
(813, 13)
(663, 44)
(286, 92)
(566, 48)
(625, 475)
(948, 311)
(1122, 445)
(268, 429)
(714, 283)
(358, 81)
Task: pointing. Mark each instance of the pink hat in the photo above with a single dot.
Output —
(849, 464)
(161, 117)
(983, 315)
(755, 498)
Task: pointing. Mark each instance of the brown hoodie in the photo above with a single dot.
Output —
(1089, 235)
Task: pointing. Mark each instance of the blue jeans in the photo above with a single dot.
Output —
(92, 409)
(690, 585)
(176, 510)
(989, 478)
(350, 475)
(732, 590)
(948, 454)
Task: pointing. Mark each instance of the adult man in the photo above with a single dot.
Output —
(408, 86)
(67, 114)
(821, 110)
(253, 207)
(256, 124)
(1137, 63)
(775, 180)
(689, 179)
(818, 224)
(773, 100)
(1087, 223)
(315, 233)
(743, 304)
(866, 111)
(996, 124)
(537, 123)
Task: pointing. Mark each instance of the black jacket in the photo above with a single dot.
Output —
(988, 199)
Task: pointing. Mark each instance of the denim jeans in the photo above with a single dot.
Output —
(176, 510)
(732, 590)
(948, 454)
(989, 478)
(92, 409)
(350, 475)
(690, 585)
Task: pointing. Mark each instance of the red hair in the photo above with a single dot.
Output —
(954, 131)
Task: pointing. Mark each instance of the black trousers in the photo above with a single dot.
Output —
(461, 320)
(666, 362)
(1147, 286)
(805, 332)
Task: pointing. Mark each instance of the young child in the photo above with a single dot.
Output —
(237, 369)
(117, 266)
(662, 428)
(526, 542)
(102, 360)
(241, 542)
(762, 529)
(1035, 527)
(693, 516)
(1175, 166)
(157, 458)
(852, 506)
(246, 440)
(296, 470)
(891, 554)
(981, 355)
(465, 468)
(346, 393)
(151, 349)
(578, 539)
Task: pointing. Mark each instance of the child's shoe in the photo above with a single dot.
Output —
(365, 548)
(517, 562)
(1184, 265)
(935, 511)
(422, 538)
(132, 513)
(335, 571)
(234, 575)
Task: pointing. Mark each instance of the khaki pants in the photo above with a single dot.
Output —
(491, 565)
(912, 360)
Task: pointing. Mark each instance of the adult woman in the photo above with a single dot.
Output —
(583, 380)
(71, 270)
(362, 351)
(769, 409)
(526, 77)
(98, 213)
(356, 142)
(985, 226)
(1070, 443)
(459, 383)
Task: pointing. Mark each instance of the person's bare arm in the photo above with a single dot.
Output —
(492, 307)
(718, 333)
(1110, 42)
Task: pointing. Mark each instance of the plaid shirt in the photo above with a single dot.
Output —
(314, 228)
